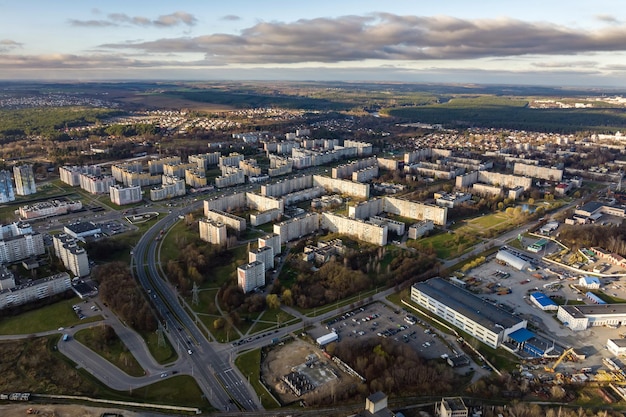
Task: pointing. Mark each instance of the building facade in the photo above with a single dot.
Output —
(251, 276)
(73, 256)
(121, 195)
(213, 231)
(6, 187)
(24, 180)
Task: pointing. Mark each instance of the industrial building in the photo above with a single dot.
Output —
(251, 276)
(512, 260)
(616, 346)
(212, 231)
(581, 317)
(121, 195)
(452, 407)
(543, 301)
(24, 180)
(592, 283)
(481, 319)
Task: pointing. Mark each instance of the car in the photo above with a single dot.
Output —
(60, 329)
(189, 351)
(164, 374)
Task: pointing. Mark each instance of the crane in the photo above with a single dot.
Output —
(559, 360)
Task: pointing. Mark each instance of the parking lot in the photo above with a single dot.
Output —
(381, 321)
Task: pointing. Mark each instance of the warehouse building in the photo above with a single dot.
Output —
(512, 260)
(581, 317)
(543, 301)
(485, 321)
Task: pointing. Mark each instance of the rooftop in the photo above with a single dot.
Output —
(466, 303)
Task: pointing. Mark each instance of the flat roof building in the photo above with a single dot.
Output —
(485, 321)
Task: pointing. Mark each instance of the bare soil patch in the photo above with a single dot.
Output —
(323, 373)
(55, 410)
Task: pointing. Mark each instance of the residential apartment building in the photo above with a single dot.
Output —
(48, 209)
(70, 175)
(35, 290)
(96, 184)
(195, 178)
(170, 187)
(264, 254)
(251, 276)
(6, 187)
(212, 231)
(73, 256)
(121, 195)
(24, 180)
(20, 247)
(155, 166)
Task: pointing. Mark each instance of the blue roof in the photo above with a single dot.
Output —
(542, 299)
(521, 335)
(591, 280)
(594, 298)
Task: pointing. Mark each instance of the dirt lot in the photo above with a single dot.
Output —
(292, 356)
(19, 410)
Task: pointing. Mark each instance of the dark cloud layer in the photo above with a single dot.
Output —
(119, 19)
(385, 36)
(8, 45)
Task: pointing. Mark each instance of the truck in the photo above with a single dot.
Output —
(327, 338)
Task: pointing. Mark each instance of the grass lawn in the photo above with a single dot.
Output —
(487, 221)
(51, 317)
(113, 351)
(177, 237)
(180, 390)
(249, 365)
(269, 319)
(447, 245)
(162, 354)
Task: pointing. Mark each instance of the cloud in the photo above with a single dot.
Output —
(607, 18)
(230, 17)
(119, 19)
(390, 37)
(567, 64)
(8, 45)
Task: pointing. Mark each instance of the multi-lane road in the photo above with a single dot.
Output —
(222, 384)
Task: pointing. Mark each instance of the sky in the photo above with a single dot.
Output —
(548, 42)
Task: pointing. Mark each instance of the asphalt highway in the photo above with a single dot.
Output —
(222, 384)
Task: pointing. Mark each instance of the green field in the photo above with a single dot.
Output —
(447, 245)
(249, 365)
(51, 317)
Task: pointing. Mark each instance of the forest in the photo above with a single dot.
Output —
(610, 238)
(48, 121)
(119, 290)
(513, 113)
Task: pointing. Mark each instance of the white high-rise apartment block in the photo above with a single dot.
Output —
(121, 195)
(24, 180)
(73, 256)
(212, 231)
(21, 247)
(251, 276)
(264, 254)
(96, 184)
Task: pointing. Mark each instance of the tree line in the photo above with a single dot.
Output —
(613, 239)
